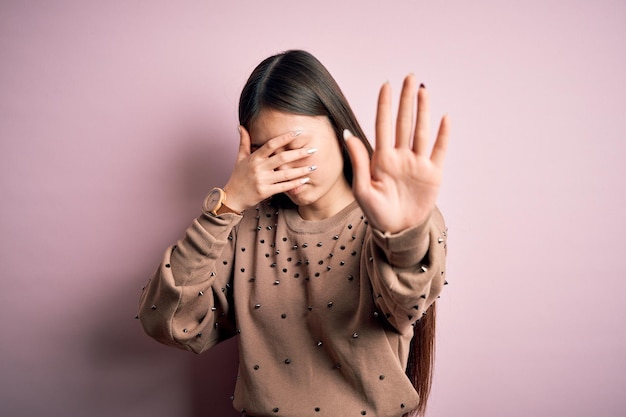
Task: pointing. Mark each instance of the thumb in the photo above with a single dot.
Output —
(360, 162)
(244, 143)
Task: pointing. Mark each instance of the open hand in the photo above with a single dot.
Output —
(397, 189)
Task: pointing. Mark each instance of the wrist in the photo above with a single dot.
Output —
(232, 202)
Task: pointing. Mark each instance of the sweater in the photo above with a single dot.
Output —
(324, 311)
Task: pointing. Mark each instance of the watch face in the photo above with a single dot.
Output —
(213, 199)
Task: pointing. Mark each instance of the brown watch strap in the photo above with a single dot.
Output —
(225, 209)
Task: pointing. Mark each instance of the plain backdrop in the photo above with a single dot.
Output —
(117, 117)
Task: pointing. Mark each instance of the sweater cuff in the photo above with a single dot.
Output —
(219, 226)
(406, 248)
(222, 219)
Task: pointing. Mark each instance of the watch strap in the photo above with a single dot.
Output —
(225, 209)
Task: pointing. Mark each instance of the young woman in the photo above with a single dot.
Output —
(321, 254)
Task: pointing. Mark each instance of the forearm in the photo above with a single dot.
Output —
(407, 270)
(187, 294)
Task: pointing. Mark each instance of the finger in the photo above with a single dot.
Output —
(404, 122)
(383, 117)
(441, 144)
(283, 175)
(244, 143)
(422, 126)
(361, 174)
(277, 142)
(282, 187)
(286, 157)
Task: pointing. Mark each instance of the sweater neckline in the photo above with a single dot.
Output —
(299, 225)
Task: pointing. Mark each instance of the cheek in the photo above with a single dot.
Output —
(330, 161)
(334, 155)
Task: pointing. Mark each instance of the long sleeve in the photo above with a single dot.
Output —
(407, 270)
(188, 301)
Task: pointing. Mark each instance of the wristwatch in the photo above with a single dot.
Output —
(214, 203)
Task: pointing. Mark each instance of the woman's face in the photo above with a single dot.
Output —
(327, 192)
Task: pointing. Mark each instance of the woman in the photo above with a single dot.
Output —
(321, 254)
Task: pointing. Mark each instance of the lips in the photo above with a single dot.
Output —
(296, 190)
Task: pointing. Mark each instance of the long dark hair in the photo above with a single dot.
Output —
(296, 82)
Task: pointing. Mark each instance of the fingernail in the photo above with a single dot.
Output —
(296, 133)
(312, 150)
(305, 180)
(347, 134)
(422, 85)
(312, 167)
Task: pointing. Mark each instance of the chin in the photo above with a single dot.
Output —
(299, 201)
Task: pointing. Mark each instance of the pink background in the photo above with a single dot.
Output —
(117, 117)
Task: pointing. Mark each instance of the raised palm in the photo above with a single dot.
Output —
(397, 189)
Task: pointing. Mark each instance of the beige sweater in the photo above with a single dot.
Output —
(324, 310)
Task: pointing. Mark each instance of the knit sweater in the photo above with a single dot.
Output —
(324, 310)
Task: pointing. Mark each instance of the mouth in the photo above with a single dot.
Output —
(296, 190)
